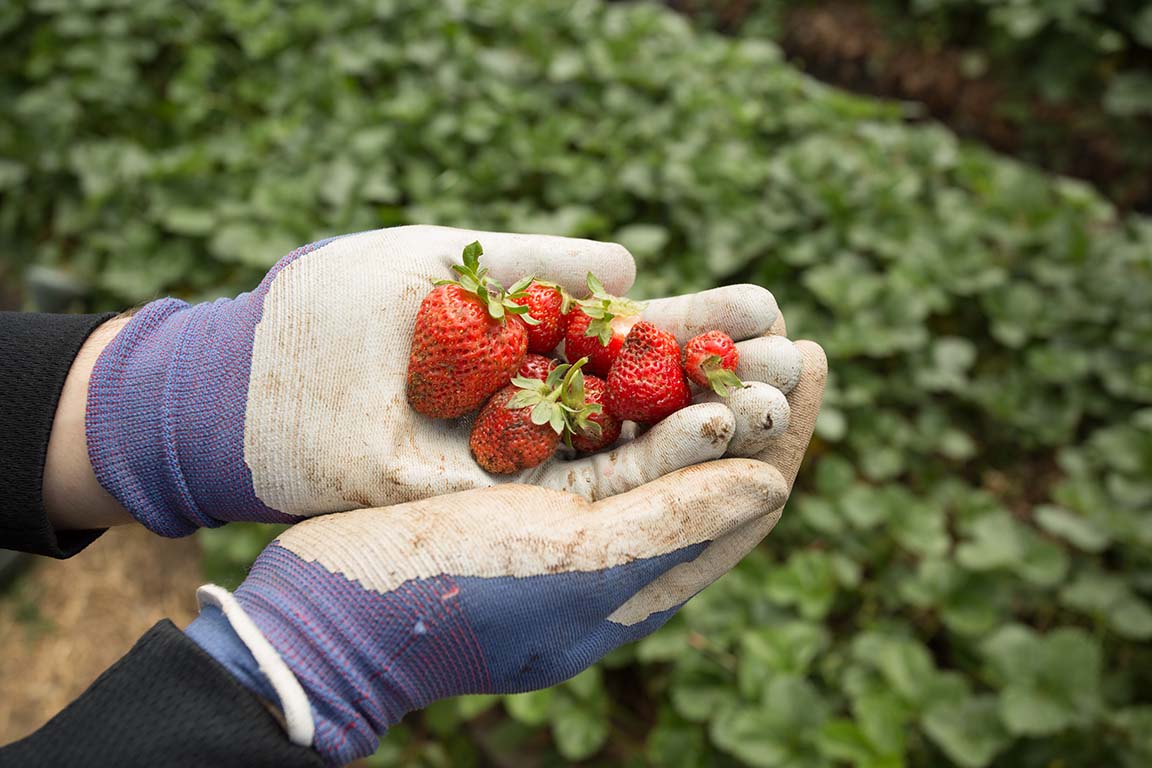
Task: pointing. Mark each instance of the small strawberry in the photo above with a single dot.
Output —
(469, 339)
(537, 367)
(606, 424)
(522, 424)
(710, 361)
(550, 305)
(598, 326)
(647, 382)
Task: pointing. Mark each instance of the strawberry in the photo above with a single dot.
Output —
(597, 327)
(468, 340)
(550, 304)
(608, 426)
(537, 367)
(646, 382)
(522, 424)
(710, 361)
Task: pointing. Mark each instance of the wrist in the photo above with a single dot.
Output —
(73, 498)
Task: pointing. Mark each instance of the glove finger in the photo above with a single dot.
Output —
(519, 530)
(565, 261)
(786, 451)
(773, 360)
(779, 327)
(681, 582)
(742, 311)
(689, 436)
(761, 413)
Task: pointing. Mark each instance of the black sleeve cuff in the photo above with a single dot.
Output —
(36, 352)
(166, 703)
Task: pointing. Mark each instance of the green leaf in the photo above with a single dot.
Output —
(882, 717)
(542, 413)
(519, 286)
(1142, 28)
(587, 685)
(699, 691)
(532, 708)
(525, 398)
(471, 255)
(676, 743)
(1072, 527)
(579, 728)
(1051, 682)
(473, 706)
(967, 730)
(1109, 598)
(595, 287)
(784, 730)
(904, 663)
(842, 740)
(807, 581)
(1129, 94)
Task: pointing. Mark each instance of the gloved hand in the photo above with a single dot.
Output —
(290, 401)
(349, 621)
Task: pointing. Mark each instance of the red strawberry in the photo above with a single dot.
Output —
(537, 366)
(646, 382)
(597, 327)
(521, 425)
(550, 304)
(465, 345)
(710, 361)
(506, 440)
(587, 439)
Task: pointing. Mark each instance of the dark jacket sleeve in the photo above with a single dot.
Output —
(36, 352)
(165, 703)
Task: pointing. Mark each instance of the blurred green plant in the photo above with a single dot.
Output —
(964, 574)
(1057, 75)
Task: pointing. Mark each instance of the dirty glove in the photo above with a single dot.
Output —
(347, 622)
(290, 401)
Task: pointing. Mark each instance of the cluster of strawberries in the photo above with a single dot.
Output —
(477, 345)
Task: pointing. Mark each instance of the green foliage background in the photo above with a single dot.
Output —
(963, 577)
(1088, 61)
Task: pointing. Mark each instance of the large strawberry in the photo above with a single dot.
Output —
(710, 361)
(607, 427)
(469, 339)
(597, 327)
(647, 382)
(522, 424)
(550, 305)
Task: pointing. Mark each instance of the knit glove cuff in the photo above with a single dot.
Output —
(164, 424)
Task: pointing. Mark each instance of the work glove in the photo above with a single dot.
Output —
(346, 622)
(290, 401)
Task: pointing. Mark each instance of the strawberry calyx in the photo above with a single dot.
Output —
(603, 307)
(558, 401)
(721, 379)
(477, 281)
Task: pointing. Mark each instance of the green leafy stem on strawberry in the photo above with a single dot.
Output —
(558, 401)
(475, 280)
(603, 307)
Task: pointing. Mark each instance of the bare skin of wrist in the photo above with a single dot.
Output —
(73, 499)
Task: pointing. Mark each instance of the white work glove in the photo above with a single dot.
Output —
(349, 621)
(290, 401)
